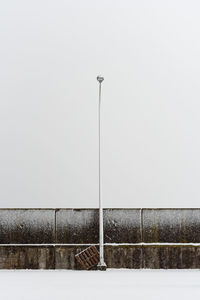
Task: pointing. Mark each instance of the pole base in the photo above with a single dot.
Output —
(102, 266)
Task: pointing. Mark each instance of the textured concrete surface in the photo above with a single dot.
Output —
(65, 257)
(81, 226)
(123, 256)
(26, 257)
(122, 225)
(171, 225)
(27, 226)
(77, 226)
(171, 257)
(127, 232)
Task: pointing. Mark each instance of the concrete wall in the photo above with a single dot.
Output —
(134, 238)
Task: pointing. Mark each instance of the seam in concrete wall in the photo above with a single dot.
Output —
(55, 226)
(141, 230)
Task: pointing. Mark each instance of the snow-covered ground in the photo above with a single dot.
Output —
(112, 284)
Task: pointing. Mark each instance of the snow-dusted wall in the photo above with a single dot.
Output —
(171, 225)
(80, 226)
(68, 226)
(27, 226)
(134, 238)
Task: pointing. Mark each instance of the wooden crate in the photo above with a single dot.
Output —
(88, 258)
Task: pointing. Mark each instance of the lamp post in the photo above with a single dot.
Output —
(101, 264)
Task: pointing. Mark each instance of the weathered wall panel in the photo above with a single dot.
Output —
(27, 226)
(171, 257)
(123, 256)
(122, 226)
(171, 225)
(26, 257)
(77, 226)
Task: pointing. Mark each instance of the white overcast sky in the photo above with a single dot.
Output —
(50, 55)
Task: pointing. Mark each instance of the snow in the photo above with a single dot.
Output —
(111, 284)
(105, 244)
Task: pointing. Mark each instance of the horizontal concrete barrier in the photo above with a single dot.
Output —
(119, 256)
(134, 238)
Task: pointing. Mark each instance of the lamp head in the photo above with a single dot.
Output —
(100, 79)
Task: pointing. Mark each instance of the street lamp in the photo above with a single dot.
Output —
(101, 264)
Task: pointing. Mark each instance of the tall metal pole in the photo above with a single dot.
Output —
(101, 264)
